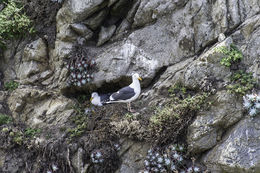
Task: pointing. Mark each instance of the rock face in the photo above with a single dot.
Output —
(166, 42)
(239, 151)
(207, 129)
(132, 154)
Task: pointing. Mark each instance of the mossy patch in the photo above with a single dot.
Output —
(232, 55)
(241, 83)
(11, 86)
(5, 119)
(173, 117)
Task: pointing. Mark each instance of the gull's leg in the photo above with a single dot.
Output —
(128, 108)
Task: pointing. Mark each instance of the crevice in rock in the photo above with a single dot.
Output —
(108, 16)
(157, 76)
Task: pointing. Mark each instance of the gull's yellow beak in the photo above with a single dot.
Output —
(139, 78)
(91, 98)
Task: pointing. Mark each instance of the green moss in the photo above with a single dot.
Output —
(18, 138)
(232, 55)
(80, 121)
(242, 82)
(176, 108)
(5, 119)
(30, 132)
(177, 88)
(170, 120)
(13, 22)
(130, 116)
(10, 86)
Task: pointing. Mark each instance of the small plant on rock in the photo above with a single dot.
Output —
(232, 55)
(242, 82)
(10, 86)
(175, 114)
(97, 156)
(171, 159)
(80, 67)
(30, 132)
(80, 120)
(13, 22)
(5, 119)
(252, 103)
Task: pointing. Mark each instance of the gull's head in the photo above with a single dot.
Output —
(93, 95)
(136, 76)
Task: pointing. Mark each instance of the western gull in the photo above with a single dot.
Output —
(128, 93)
(99, 100)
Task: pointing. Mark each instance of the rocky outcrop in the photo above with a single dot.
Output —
(166, 42)
(239, 151)
(209, 126)
(48, 109)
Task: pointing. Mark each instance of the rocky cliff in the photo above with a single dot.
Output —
(197, 59)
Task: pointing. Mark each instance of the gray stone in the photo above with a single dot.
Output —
(75, 11)
(95, 21)
(127, 22)
(3, 95)
(150, 10)
(122, 60)
(105, 34)
(35, 51)
(239, 151)
(28, 69)
(133, 154)
(111, 2)
(37, 108)
(131, 13)
(120, 8)
(81, 29)
(209, 125)
(125, 25)
(82, 9)
(221, 37)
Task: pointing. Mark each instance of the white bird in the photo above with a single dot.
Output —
(99, 100)
(128, 93)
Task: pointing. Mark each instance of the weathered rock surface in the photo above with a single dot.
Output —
(38, 108)
(95, 21)
(165, 41)
(105, 34)
(132, 154)
(207, 129)
(239, 151)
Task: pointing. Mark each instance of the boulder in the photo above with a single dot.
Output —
(209, 125)
(36, 51)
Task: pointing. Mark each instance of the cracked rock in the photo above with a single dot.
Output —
(105, 34)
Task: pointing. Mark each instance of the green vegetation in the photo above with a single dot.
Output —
(30, 132)
(176, 108)
(5, 119)
(18, 137)
(169, 120)
(232, 55)
(130, 116)
(13, 22)
(10, 86)
(242, 82)
(80, 120)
